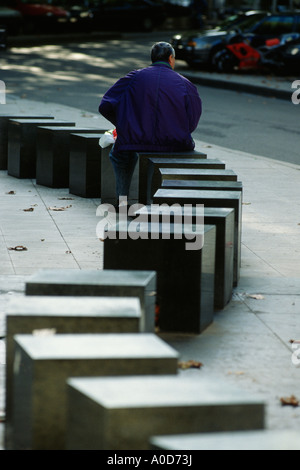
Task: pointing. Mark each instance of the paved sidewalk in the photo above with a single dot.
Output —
(249, 342)
(251, 82)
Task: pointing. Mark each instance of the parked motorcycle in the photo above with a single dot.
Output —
(279, 55)
(283, 57)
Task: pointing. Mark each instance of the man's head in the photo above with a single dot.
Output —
(163, 51)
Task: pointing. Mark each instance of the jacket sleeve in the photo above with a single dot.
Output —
(110, 100)
(194, 105)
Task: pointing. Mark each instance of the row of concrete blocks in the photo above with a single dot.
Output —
(61, 155)
(58, 391)
(84, 371)
(211, 271)
(58, 157)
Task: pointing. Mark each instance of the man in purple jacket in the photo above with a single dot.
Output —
(154, 109)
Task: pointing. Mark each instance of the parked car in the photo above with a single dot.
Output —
(199, 47)
(274, 26)
(40, 16)
(127, 14)
(80, 17)
(10, 21)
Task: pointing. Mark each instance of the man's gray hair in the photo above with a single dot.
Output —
(161, 51)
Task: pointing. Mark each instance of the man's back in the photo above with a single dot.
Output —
(154, 109)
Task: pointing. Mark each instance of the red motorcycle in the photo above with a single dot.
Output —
(239, 55)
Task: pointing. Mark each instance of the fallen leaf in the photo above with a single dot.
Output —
(58, 208)
(11, 192)
(189, 364)
(256, 296)
(30, 209)
(18, 248)
(66, 198)
(291, 401)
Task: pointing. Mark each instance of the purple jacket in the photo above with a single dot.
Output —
(154, 109)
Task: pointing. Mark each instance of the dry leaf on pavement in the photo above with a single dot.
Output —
(291, 401)
(256, 296)
(190, 364)
(58, 208)
(18, 248)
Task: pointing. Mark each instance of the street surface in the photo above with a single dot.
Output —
(78, 74)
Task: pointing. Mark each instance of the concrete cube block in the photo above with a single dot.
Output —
(22, 149)
(122, 413)
(85, 165)
(185, 273)
(108, 192)
(228, 199)
(224, 221)
(42, 366)
(4, 118)
(53, 154)
(150, 180)
(264, 439)
(111, 283)
(25, 315)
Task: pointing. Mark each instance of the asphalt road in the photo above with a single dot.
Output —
(78, 75)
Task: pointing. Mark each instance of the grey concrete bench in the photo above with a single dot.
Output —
(123, 413)
(263, 439)
(22, 136)
(114, 283)
(224, 221)
(85, 165)
(227, 199)
(4, 118)
(150, 181)
(65, 314)
(53, 154)
(202, 184)
(43, 365)
(185, 277)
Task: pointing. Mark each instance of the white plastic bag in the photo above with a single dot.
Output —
(108, 138)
